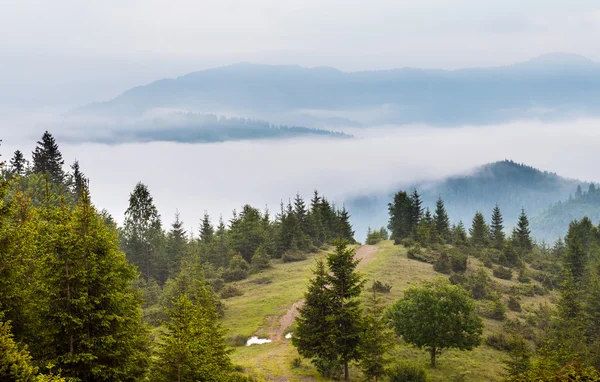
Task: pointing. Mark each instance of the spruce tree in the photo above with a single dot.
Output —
(207, 231)
(459, 234)
(330, 322)
(345, 228)
(400, 222)
(18, 163)
(142, 232)
(193, 347)
(497, 228)
(96, 318)
(522, 234)
(176, 248)
(377, 340)
(442, 221)
(47, 158)
(78, 180)
(417, 209)
(479, 231)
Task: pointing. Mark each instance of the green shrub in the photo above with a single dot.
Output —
(523, 277)
(380, 287)
(416, 253)
(443, 264)
(229, 291)
(237, 269)
(261, 260)
(292, 256)
(459, 261)
(296, 363)
(503, 273)
(539, 290)
(238, 340)
(494, 310)
(498, 341)
(514, 304)
(407, 372)
(328, 368)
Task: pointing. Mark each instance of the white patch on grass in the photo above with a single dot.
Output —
(257, 341)
(288, 336)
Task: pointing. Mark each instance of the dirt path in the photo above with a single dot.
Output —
(364, 253)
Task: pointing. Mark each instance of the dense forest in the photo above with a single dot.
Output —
(511, 185)
(188, 127)
(551, 222)
(85, 299)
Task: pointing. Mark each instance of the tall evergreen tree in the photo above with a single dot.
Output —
(345, 228)
(142, 232)
(207, 231)
(522, 234)
(18, 163)
(497, 228)
(47, 158)
(417, 209)
(400, 211)
(330, 323)
(176, 248)
(193, 347)
(459, 234)
(442, 221)
(479, 231)
(78, 180)
(96, 317)
(377, 340)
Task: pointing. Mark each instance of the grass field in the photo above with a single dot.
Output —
(261, 306)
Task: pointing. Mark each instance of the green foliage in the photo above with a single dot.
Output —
(15, 361)
(520, 354)
(436, 316)
(377, 339)
(374, 237)
(260, 260)
(443, 264)
(493, 309)
(47, 159)
(230, 291)
(522, 234)
(237, 269)
(458, 261)
(479, 231)
(380, 287)
(193, 346)
(514, 304)
(292, 255)
(497, 228)
(407, 372)
(503, 273)
(332, 311)
(442, 221)
(499, 341)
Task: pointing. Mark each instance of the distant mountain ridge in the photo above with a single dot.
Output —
(548, 86)
(509, 184)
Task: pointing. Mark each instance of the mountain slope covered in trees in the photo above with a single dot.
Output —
(510, 185)
(545, 87)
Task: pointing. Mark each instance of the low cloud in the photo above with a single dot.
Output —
(219, 177)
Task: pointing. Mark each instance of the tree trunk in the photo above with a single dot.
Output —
(432, 351)
(178, 369)
(346, 375)
(71, 346)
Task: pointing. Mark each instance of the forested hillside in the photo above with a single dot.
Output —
(510, 185)
(551, 222)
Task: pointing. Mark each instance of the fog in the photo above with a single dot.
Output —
(219, 177)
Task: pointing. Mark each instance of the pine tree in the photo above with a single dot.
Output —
(142, 232)
(193, 347)
(15, 360)
(207, 231)
(479, 231)
(47, 158)
(459, 234)
(416, 208)
(176, 248)
(78, 180)
(400, 211)
(301, 215)
(96, 316)
(345, 228)
(442, 221)
(18, 163)
(522, 234)
(497, 228)
(377, 340)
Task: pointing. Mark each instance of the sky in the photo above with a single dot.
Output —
(65, 53)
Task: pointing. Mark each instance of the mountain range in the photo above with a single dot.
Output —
(547, 87)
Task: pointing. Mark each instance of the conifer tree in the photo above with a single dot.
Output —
(330, 323)
(260, 260)
(442, 221)
(479, 231)
(497, 228)
(400, 211)
(459, 234)
(301, 215)
(78, 180)
(417, 209)
(47, 159)
(96, 317)
(193, 347)
(15, 361)
(345, 228)
(522, 234)
(18, 163)
(575, 259)
(142, 232)
(207, 231)
(377, 340)
(176, 248)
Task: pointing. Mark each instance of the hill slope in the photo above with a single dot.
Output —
(553, 221)
(510, 185)
(547, 86)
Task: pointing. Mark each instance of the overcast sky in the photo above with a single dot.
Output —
(67, 52)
